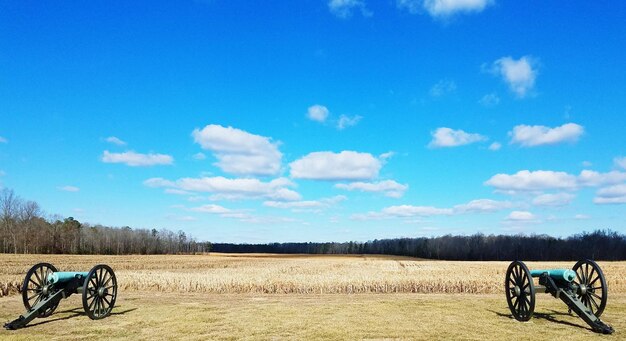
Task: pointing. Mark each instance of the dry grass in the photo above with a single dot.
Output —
(291, 274)
(175, 316)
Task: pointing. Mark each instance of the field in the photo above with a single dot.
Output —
(254, 296)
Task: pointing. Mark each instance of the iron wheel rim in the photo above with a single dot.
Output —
(99, 292)
(33, 287)
(590, 276)
(520, 291)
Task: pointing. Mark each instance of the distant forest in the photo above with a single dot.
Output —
(23, 229)
(598, 245)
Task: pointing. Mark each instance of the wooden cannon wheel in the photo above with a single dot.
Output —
(592, 289)
(520, 291)
(99, 292)
(37, 288)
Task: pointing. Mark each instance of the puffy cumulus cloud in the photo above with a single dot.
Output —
(620, 162)
(495, 146)
(317, 113)
(542, 180)
(232, 189)
(611, 195)
(69, 188)
(443, 87)
(344, 8)
(415, 211)
(519, 74)
(482, 205)
(554, 200)
(133, 159)
(346, 165)
(531, 136)
(446, 137)
(306, 205)
(347, 121)
(389, 188)
(525, 180)
(115, 140)
(444, 8)
(239, 152)
(591, 178)
(521, 216)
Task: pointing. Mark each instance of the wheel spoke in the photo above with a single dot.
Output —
(91, 305)
(595, 279)
(595, 295)
(107, 301)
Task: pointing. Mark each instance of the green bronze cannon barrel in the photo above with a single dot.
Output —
(61, 277)
(566, 275)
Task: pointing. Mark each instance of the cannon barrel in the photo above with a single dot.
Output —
(62, 277)
(566, 275)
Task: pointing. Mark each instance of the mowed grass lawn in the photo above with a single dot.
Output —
(277, 297)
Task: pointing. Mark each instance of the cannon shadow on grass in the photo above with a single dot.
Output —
(76, 313)
(546, 316)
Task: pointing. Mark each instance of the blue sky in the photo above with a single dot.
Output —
(317, 120)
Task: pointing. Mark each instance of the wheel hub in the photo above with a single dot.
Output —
(45, 290)
(102, 291)
(517, 291)
(582, 289)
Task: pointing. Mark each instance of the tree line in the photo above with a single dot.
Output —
(24, 229)
(599, 245)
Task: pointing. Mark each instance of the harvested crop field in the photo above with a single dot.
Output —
(250, 296)
(292, 274)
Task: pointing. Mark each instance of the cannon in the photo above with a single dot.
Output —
(44, 287)
(583, 289)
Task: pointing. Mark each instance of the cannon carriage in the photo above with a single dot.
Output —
(583, 289)
(44, 287)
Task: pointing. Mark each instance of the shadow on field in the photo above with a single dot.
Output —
(76, 313)
(546, 316)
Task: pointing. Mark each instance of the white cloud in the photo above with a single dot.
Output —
(415, 211)
(611, 195)
(347, 121)
(199, 156)
(115, 140)
(620, 161)
(210, 208)
(531, 136)
(443, 87)
(389, 187)
(582, 217)
(489, 100)
(519, 74)
(69, 188)
(133, 159)
(232, 189)
(446, 137)
(521, 216)
(181, 218)
(176, 191)
(344, 8)
(482, 205)
(592, 178)
(3, 140)
(495, 146)
(525, 180)
(541, 180)
(239, 152)
(444, 8)
(306, 204)
(317, 113)
(346, 165)
(554, 200)
(587, 164)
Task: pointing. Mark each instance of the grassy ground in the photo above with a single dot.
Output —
(303, 297)
(349, 317)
